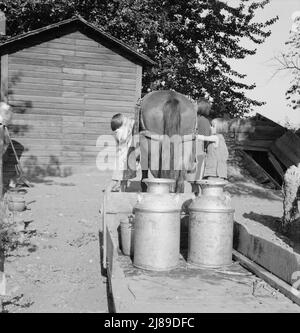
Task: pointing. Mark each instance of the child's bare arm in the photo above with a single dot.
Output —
(211, 138)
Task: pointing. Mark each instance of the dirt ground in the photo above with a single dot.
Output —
(59, 271)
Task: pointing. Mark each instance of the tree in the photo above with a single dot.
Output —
(290, 61)
(190, 40)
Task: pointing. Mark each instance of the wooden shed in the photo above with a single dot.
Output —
(268, 147)
(65, 81)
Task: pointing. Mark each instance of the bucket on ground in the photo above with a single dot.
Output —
(127, 235)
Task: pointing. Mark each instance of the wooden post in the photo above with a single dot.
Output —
(4, 78)
(104, 228)
(1, 160)
(2, 275)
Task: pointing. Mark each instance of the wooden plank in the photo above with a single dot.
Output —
(138, 87)
(68, 39)
(34, 68)
(61, 51)
(30, 129)
(257, 143)
(55, 44)
(260, 172)
(108, 59)
(264, 136)
(270, 130)
(44, 86)
(93, 110)
(110, 79)
(111, 97)
(47, 111)
(286, 289)
(42, 104)
(287, 151)
(23, 80)
(44, 74)
(37, 142)
(4, 78)
(2, 129)
(84, 54)
(108, 102)
(50, 124)
(51, 99)
(26, 92)
(276, 164)
(41, 62)
(252, 148)
(83, 71)
(21, 72)
(84, 47)
(100, 84)
(39, 136)
(250, 125)
(32, 122)
(99, 130)
(111, 68)
(75, 142)
(29, 56)
(95, 49)
(291, 142)
(110, 90)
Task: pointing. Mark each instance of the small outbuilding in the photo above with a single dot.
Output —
(268, 148)
(65, 81)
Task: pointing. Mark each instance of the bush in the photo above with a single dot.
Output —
(9, 236)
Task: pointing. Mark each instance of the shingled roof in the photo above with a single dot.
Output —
(77, 22)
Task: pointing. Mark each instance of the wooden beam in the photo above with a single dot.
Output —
(245, 147)
(138, 87)
(260, 169)
(281, 155)
(286, 289)
(1, 160)
(275, 164)
(4, 78)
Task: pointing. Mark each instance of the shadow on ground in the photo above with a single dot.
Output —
(273, 223)
(241, 188)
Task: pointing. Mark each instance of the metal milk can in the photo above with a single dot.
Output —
(157, 227)
(211, 226)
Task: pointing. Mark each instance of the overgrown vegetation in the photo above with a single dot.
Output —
(289, 61)
(192, 41)
(9, 235)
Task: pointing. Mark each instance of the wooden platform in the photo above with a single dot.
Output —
(190, 289)
(187, 289)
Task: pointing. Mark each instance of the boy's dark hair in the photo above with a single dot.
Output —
(116, 121)
(203, 107)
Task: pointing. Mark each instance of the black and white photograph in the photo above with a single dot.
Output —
(150, 159)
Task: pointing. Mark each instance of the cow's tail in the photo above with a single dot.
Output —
(171, 122)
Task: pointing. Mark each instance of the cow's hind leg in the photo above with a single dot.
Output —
(144, 176)
(179, 187)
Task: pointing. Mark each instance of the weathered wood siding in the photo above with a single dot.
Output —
(64, 92)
